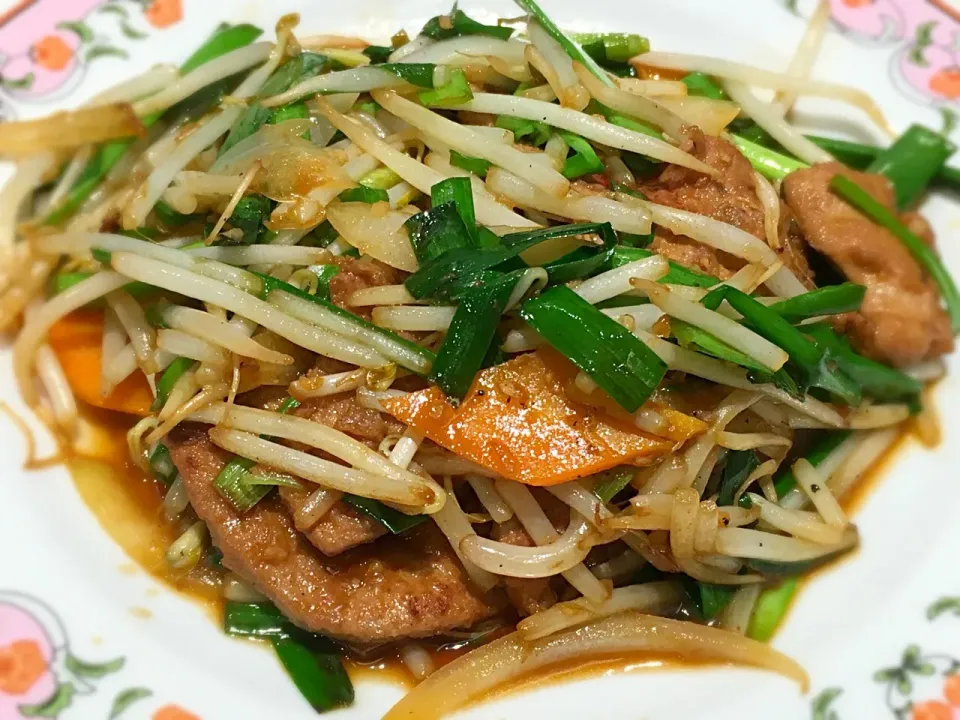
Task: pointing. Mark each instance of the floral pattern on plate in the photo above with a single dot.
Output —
(40, 677)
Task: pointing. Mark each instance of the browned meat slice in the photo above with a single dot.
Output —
(342, 527)
(527, 595)
(901, 320)
(730, 198)
(408, 586)
(342, 413)
(359, 274)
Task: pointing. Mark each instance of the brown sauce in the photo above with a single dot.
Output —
(128, 505)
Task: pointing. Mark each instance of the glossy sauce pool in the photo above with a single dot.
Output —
(128, 505)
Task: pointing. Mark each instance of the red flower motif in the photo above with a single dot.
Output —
(163, 13)
(21, 665)
(52, 53)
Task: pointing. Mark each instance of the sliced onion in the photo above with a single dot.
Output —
(491, 666)
(381, 295)
(659, 88)
(711, 116)
(380, 235)
(771, 120)
(586, 125)
(759, 77)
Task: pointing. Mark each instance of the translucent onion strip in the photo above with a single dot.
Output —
(464, 50)
(494, 665)
(587, 126)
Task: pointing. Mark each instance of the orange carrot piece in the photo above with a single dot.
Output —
(518, 421)
(76, 340)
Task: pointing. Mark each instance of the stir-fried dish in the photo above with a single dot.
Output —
(540, 345)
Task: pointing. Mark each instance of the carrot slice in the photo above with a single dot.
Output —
(76, 340)
(518, 420)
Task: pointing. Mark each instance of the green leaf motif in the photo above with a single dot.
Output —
(944, 605)
(820, 707)
(99, 51)
(921, 41)
(113, 9)
(92, 670)
(78, 28)
(125, 699)
(58, 702)
(131, 32)
(949, 118)
(24, 83)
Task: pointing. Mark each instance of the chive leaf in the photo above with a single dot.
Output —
(617, 361)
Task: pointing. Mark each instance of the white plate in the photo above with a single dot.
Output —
(67, 589)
